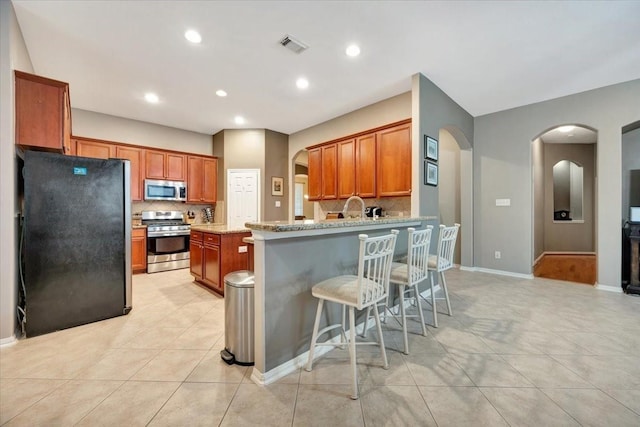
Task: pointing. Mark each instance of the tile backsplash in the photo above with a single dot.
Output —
(138, 207)
(392, 206)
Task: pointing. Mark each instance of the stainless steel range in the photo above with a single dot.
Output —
(167, 240)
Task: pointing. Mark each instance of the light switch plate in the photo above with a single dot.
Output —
(277, 203)
(242, 249)
(503, 202)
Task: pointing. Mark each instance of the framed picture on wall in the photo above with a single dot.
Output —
(430, 148)
(430, 173)
(277, 186)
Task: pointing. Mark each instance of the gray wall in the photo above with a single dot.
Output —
(276, 164)
(13, 55)
(630, 167)
(449, 183)
(570, 236)
(118, 129)
(433, 110)
(503, 169)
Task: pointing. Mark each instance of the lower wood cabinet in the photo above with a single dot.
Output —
(214, 255)
(139, 250)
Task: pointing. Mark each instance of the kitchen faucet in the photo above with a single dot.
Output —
(346, 205)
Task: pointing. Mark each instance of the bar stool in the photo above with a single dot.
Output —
(441, 262)
(367, 288)
(408, 275)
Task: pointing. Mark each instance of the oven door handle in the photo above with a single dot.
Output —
(168, 234)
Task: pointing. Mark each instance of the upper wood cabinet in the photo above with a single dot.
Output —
(202, 181)
(394, 161)
(165, 165)
(376, 163)
(136, 160)
(43, 113)
(323, 172)
(92, 148)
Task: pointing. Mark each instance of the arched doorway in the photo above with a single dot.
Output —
(455, 189)
(564, 200)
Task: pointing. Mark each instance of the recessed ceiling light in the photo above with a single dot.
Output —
(302, 83)
(221, 93)
(566, 129)
(239, 120)
(151, 98)
(193, 36)
(353, 50)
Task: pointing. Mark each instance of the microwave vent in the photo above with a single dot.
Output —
(293, 45)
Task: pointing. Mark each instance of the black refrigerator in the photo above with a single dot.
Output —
(76, 241)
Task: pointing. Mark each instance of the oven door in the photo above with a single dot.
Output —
(167, 252)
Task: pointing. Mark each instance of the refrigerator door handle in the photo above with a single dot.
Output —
(128, 297)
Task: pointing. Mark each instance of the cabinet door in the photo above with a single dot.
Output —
(195, 255)
(366, 166)
(134, 155)
(330, 172)
(394, 161)
(346, 168)
(139, 251)
(66, 126)
(212, 267)
(40, 112)
(95, 149)
(315, 174)
(209, 180)
(194, 180)
(176, 167)
(154, 164)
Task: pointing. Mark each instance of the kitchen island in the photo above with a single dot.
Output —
(215, 251)
(289, 258)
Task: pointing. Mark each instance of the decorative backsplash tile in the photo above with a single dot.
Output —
(392, 206)
(160, 205)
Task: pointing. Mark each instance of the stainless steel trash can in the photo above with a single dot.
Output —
(238, 318)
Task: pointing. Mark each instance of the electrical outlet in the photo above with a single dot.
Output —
(277, 203)
(498, 254)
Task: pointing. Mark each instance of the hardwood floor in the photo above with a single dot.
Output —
(573, 267)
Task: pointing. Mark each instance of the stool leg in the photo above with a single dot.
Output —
(403, 315)
(381, 340)
(366, 323)
(314, 337)
(446, 293)
(352, 351)
(416, 292)
(433, 301)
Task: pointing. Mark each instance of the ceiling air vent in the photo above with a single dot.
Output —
(293, 44)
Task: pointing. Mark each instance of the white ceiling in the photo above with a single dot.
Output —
(577, 135)
(488, 56)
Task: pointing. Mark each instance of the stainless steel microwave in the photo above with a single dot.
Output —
(175, 191)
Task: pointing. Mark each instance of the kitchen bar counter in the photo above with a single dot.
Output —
(218, 229)
(289, 258)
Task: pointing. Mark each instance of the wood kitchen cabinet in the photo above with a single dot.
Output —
(323, 172)
(357, 167)
(196, 254)
(93, 148)
(136, 161)
(165, 165)
(139, 250)
(394, 161)
(202, 179)
(374, 163)
(43, 113)
(214, 255)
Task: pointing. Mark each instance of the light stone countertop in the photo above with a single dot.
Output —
(300, 225)
(218, 229)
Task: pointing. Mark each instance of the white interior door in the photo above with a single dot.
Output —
(243, 197)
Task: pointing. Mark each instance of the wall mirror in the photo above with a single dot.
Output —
(567, 191)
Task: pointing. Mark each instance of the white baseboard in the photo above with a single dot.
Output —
(503, 273)
(616, 289)
(465, 268)
(8, 342)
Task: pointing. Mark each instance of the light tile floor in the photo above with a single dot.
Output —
(516, 352)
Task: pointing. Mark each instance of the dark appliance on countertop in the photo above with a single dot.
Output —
(172, 191)
(75, 241)
(373, 211)
(167, 240)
